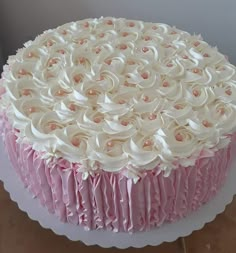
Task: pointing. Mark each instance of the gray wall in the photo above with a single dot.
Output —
(214, 19)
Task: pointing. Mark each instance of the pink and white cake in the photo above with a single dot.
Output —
(119, 124)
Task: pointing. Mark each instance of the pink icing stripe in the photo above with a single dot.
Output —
(112, 201)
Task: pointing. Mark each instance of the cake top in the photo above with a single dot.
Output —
(120, 95)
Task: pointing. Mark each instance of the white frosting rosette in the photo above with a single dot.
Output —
(23, 111)
(54, 93)
(22, 88)
(32, 53)
(142, 150)
(198, 96)
(120, 95)
(150, 51)
(204, 125)
(118, 104)
(108, 151)
(23, 71)
(134, 62)
(68, 108)
(115, 64)
(48, 39)
(148, 100)
(81, 59)
(121, 126)
(90, 120)
(170, 89)
(43, 130)
(172, 67)
(143, 78)
(226, 72)
(180, 111)
(67, 30)
(72, 143)
(226, 91)
(224, 115)
(176, 141)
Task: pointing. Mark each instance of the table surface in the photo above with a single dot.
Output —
(20, 234)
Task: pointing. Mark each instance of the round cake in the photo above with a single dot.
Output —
(119, 124)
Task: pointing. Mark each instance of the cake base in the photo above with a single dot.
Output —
(166, 233)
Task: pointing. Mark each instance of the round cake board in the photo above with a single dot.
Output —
(167, 233)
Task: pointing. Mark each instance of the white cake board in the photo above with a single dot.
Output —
(106, 239)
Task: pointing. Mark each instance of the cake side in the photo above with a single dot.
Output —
(112, 201)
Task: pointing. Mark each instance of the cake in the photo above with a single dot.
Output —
(119, 124)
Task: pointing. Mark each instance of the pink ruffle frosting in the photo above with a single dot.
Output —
(111, 201)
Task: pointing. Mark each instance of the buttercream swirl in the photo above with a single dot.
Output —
(120, 95)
